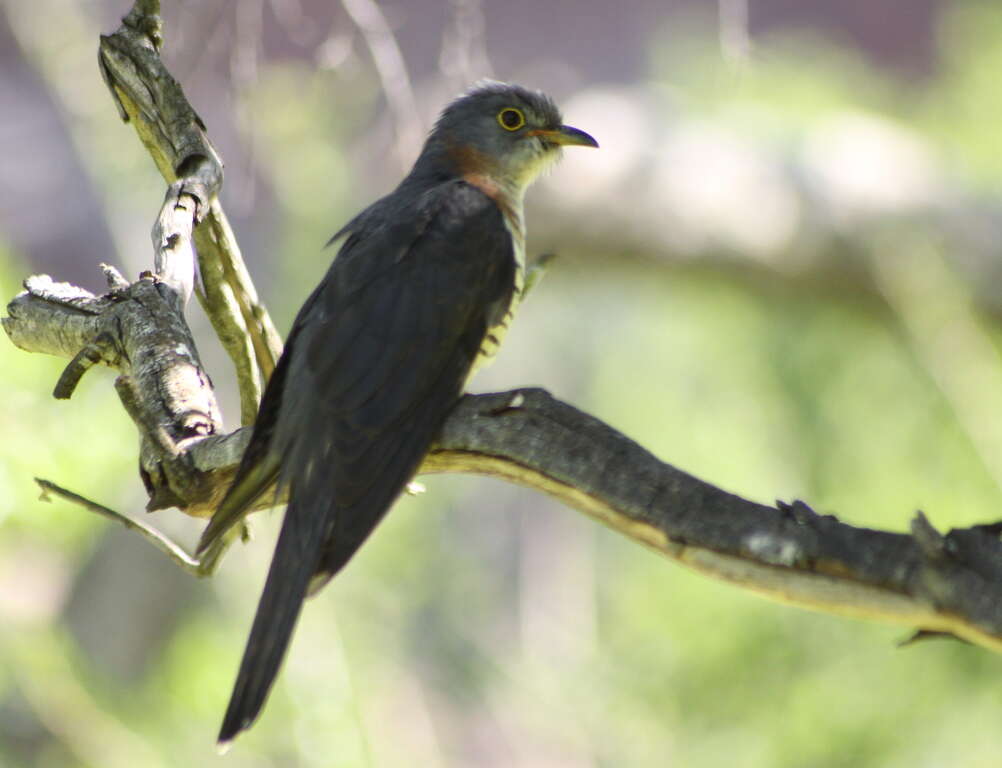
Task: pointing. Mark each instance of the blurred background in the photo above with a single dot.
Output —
(779, 273)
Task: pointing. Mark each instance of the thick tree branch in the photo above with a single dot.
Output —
(947, 584)
(938, 584)
(138, 330)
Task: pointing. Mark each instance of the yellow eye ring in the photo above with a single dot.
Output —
(511, 119)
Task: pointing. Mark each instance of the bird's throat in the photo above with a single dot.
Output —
(507, 199)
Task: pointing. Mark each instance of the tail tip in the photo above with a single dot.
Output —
(226, 736)
(231, 728)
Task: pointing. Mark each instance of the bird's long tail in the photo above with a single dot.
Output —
(296, 555)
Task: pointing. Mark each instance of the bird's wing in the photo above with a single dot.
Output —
(381, 355)
(259, 465)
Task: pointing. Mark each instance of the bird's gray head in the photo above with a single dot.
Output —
(499, 134)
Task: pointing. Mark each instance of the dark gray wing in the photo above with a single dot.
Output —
(259, 465)
(380, 355)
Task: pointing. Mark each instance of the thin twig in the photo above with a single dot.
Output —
(265, 339)
(392, 70)
(463, 58)
(735, 39)
(100, 349)
(935, 310)
(152, 535)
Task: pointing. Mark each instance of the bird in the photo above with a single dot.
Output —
(418, 297)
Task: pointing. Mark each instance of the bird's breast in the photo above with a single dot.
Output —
(497, 330)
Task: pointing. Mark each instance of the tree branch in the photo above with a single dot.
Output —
(139, 331)
(938, 584)
(152, 100)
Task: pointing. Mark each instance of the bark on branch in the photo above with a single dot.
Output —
(933, 582)
(152, 100)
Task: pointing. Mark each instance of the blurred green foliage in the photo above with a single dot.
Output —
(963, 105)
(484, 625)
(804, 78)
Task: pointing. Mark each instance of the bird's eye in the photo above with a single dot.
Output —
(511, 119)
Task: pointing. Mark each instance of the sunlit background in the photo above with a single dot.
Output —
(781, 273)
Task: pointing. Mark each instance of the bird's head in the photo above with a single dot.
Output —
(500, 134)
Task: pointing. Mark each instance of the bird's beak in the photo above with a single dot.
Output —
(566, 136)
